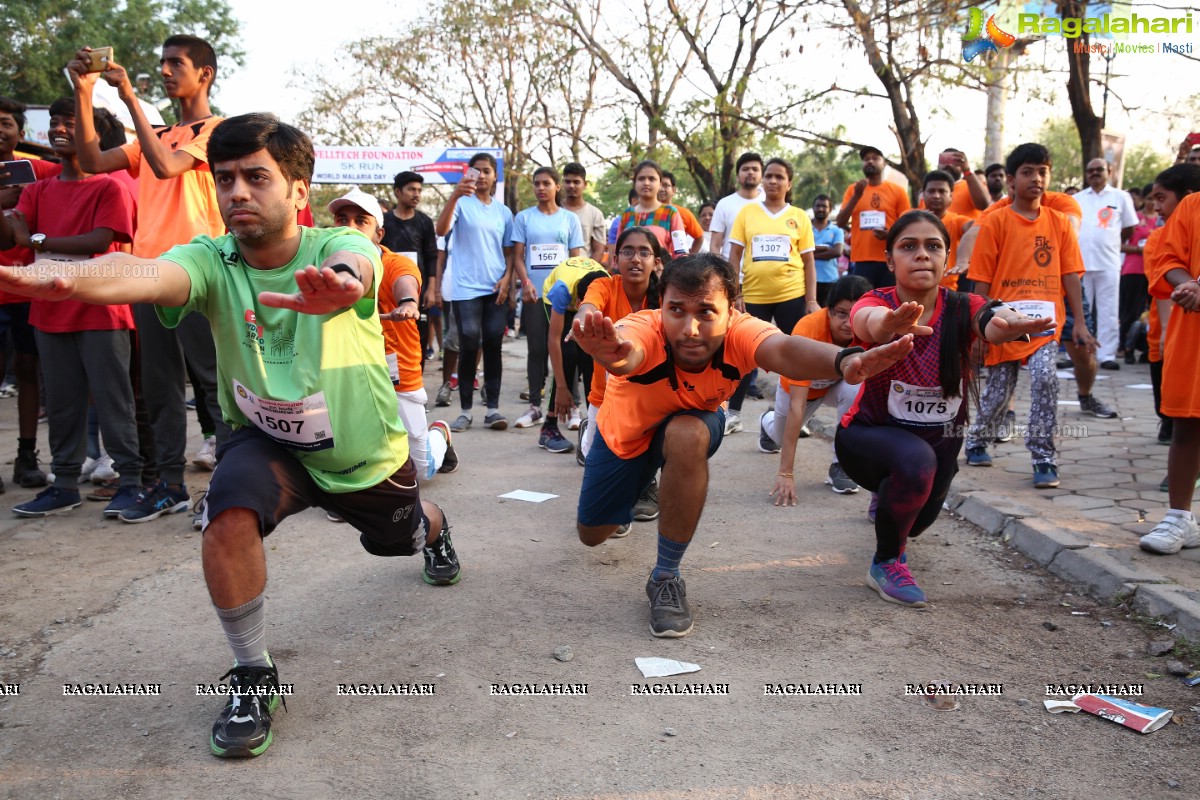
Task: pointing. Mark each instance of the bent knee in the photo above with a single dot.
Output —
(593, 535)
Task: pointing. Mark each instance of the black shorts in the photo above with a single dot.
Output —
(14, 319)
(256, 473)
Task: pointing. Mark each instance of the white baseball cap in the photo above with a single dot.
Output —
(357, 197)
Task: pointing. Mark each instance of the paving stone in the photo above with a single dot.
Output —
(1104, 576)
(1080, 503)
(1173, 603)
(1040, 539)
(991, 511)
(1082, 480)
(1116, 516)
(1116, 493)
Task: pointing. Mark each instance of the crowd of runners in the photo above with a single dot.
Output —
(316, 356)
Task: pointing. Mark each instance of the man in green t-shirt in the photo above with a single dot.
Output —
(302, 380)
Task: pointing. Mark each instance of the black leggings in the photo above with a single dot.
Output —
(911, 476)
(785, 315)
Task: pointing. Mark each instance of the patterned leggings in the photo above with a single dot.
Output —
(1043, 406)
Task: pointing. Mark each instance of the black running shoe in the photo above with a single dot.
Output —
(670, 616)
(243, 730)
(441, 562)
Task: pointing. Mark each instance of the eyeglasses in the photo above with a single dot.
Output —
(838, 314)
(641, 252)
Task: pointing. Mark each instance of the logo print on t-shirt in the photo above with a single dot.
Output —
(1043, 253)
(876, 201)
(254, 330)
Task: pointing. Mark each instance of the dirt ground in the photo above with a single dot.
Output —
(778, 597)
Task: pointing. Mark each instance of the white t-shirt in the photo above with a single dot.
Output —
(447, 287)
(1104, 215)
(726, 212)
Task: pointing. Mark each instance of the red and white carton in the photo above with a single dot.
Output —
(1143, 719)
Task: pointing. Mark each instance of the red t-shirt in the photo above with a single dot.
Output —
(70, 208)
(20, 256)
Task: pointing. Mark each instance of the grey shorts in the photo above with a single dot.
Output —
(449, 329)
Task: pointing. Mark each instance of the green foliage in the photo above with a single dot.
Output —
(1061, 137)
(1142, 163)
(39, 37)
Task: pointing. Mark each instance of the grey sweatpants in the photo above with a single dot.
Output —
(73, 364)
(1043, 403)
(163, 375)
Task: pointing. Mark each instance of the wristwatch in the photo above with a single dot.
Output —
(38, 240)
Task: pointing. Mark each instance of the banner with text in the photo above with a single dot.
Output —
(379, 165)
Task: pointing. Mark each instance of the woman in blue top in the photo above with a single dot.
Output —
(544, 236)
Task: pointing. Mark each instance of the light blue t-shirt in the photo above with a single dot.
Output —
(827, 268)
(480, 233)
(548, 239)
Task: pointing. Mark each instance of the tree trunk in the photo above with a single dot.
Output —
(1079, 84)
(997, 98)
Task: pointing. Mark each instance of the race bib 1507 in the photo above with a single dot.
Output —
(297, 425)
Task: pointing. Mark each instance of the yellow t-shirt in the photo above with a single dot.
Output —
(772, 270)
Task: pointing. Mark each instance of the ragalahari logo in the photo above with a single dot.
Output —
(981, 38)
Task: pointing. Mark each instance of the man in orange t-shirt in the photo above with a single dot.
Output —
(869, 208)
(936, 196)
(399, 293)
(176, 201)
(672, 370)
(691, 225)
(1027, 256)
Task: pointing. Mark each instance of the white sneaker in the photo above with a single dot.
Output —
(574, 421)
(103, 470)
(1174, 533)
(206, 457)
(530, 418)
(733, 422)
(89, 466)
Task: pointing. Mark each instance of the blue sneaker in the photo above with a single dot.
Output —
(125, 497)
(552, 440)
(978, 457)
(153, 503)
(894, 583)
(49, 501)
(1045, 475)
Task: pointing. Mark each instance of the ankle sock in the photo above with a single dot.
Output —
(669, 555)
(245, 630)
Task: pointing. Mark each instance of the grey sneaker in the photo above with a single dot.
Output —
(462, 423)
(621, 532)
(733, 422)
(840, 481)
(443, 395)
(1090, 405)
(765, 443)
(1171, 535)
(495, 420)
(670, 616)
(646, 508)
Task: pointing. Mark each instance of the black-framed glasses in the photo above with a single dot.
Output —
(640, 252)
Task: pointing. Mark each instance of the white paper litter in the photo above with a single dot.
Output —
(655, 667)
(529, 497)
(1139, 386)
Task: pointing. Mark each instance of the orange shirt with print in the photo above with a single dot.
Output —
(1057, 201)
(636, 405)
(401, 340)
(1024, 261)
(175, 210)
(813, 326)
(956, 225)
(888, 198)
(609, 298)
(1178, 247)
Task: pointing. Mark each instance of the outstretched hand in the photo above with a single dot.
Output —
(1015, 329)
(322, 291)
(23, 281)
(597, 336)
(904, 319)
(860, 366)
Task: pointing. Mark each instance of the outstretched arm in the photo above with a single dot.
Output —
(598, 337)
(342, 280)
(800, 358)
(114, 278)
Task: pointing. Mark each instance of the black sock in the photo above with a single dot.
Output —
(26, 445)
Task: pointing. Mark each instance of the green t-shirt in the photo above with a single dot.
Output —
(316, 384)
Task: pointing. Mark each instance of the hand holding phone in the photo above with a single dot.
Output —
(467, 184)
(99, 59)
(15, 173)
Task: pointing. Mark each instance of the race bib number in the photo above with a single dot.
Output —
(545, 256)
(770, 248)
(681, 241)
(1037, 309)
(296, 425)
(393, 367)
(872, 220)
(824, 383)
(921, 405)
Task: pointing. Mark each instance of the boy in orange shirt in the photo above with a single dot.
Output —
(671, 371)
(869, 208)
(1027, 256)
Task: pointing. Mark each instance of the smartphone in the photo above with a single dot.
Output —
(947, 159)
(19, 172)
(99, 58)
(470, 174)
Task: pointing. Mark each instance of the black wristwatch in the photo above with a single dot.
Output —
(406, 299)
(845, 351)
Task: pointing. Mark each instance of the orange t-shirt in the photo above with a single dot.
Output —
(691, 225)
(1024, 262)
(957, 225)
(1058, 201)
(960, 201)
(886, 198)
(401, 340)
(1178, 247)
(1159, 290)
(813, 326)
(636, 405)
(608, 296)
(176, 210)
